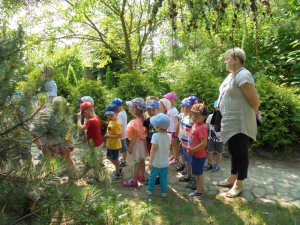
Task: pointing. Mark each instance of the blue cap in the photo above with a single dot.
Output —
(152, 104)
(216, 104)
(111, 109)
(160, 120)
(189, 101)
(117, 101)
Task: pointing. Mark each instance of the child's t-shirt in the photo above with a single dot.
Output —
(198, 131)
(185, 128)
(150, 129)
(213, 135)
(114, 128)
(93, 125)
(171, 114)
(135, 124)
(163, 142)
(122, 116)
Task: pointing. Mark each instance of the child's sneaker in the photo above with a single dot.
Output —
(181, 167)
(164, 195)
(191, 183)
(215, 168)
(207, 167)
(130, 183)
(195, 195)
(149, 193)
(141, 178)
(123, 163)
(174, 161)
(117, 176)
(103, 166)
(120, 171)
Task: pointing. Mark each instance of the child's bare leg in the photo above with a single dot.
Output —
(136, 170)
(142, 167)
(116, 163)
(124, 156)
(70, 162)
(175, 147)
(200, 183)
(219, 158)
(209, 157)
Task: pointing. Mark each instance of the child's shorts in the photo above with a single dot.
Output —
(197, 165)
(113, 153)
(186, 157)
(214, 146)
(124, 146)
(173, 134)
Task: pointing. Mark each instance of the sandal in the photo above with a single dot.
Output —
(130, 183)
(224, 183)
(233, 192)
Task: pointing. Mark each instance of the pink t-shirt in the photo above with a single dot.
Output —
(135, 124)
(197, 132)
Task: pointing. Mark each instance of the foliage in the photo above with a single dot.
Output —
(91, 88)
(280, 109)
(71, 76)
(110, 79)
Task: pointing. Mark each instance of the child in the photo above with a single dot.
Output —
(146, 114)
(215, 144)
(174, 127)
(122, 116)
(159, 155)
(90, 100)
(164, 106)
(197, 142)
(185, 127)
(137, 147)
(113, 137)
(152, 109)
(92, 126)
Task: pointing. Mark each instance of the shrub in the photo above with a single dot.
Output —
(280, 109)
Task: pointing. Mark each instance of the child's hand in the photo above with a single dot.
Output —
(143, 137)
(191, 152)
(130, 150)
(150, 165)
(79, 116)
(106, 136)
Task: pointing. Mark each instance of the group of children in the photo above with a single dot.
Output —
(154, 128)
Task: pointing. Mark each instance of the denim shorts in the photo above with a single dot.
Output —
(186, 157)
(124, 146)
(114, 154)
(197, 165)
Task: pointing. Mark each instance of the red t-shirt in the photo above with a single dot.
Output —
(197, 132)
(93, 125)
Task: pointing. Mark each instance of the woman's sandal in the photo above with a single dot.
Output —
(224, 183)
(233, 192)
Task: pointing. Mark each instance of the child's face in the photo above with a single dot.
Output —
(112, 117)
(132, 110)
(187, 110)
(162, 108)
(152, 112)
(197, 118)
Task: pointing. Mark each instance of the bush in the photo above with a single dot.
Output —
(280, 109)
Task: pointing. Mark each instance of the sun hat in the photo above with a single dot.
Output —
(171, 95)
(117, 101)
(152, 104)
(199, 108)
(189, 101)
(216, 104)
(84, 106)
(86, 99)
(166, 103)
(111, 109)
(160, 120)
(138, 103)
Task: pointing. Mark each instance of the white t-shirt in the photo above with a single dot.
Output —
(237, 114)
(163, 142)
(171, 114)
(123, 120)
(213, 135)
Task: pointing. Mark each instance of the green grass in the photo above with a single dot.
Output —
(211, 210)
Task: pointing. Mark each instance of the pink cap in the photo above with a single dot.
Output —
(171, 95)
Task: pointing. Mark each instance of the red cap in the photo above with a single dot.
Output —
(85, 105)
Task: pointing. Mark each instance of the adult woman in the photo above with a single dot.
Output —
(238, 102)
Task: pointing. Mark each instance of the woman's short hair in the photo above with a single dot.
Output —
(237, 52)
(49, 72)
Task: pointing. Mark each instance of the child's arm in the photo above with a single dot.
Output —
(79, 124)
(152, 154)
(176, 125)
(113, 136)
(132, 141)
(202, 145)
